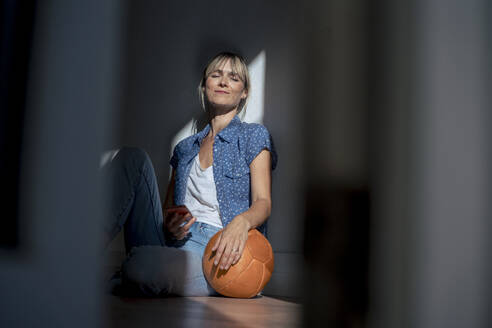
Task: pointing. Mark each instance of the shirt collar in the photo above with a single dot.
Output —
(229, 133)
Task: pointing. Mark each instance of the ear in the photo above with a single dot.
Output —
(244, 94)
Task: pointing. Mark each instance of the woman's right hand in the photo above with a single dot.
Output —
(177, 221)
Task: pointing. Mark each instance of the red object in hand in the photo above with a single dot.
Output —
(177, 221)
(180, 209)
(249, 275)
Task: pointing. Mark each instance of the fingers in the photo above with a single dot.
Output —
(220, 251)
(178, 219)
(168, 220)
(171, 218)
(175, 224)
(187, 226)
(239, 253)
(183, 231)
(229, 248)
(227, 252)
(226, 257)
(234, 251)
(236, 258)
(216, 245)
(175, 211)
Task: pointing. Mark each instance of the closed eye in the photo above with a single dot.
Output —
(234, 77)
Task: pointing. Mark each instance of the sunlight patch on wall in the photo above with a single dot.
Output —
(257, 68)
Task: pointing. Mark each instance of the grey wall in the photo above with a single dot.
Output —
(52, 278)
(168, 45)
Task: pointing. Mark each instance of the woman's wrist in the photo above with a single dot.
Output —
(256, 215)
(244, 220)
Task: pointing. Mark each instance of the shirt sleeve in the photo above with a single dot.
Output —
(259, 139)
(174, 159)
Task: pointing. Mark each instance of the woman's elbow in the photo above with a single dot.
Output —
(267, 205)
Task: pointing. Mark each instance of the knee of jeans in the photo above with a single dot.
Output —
(136, 156)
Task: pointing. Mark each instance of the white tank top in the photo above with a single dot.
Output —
(201, 195)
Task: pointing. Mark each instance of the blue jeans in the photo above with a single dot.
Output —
(153, 265)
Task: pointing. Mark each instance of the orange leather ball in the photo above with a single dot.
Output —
(249, 275)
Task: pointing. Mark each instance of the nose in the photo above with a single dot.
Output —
(223, 81)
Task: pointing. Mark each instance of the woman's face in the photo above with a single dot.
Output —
(223, 88)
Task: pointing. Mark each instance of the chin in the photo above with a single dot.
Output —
(222, 104)
(221, 108)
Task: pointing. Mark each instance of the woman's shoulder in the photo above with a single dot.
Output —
(256, 137)
(186, 143)
(183, 148)
(254, 130)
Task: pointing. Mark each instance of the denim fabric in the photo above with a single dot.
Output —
(157, 270)
(135, 203)
(151, 266)
(234, 149)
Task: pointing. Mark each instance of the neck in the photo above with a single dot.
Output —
(220, 121)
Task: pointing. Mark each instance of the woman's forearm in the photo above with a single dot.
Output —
(257, 214)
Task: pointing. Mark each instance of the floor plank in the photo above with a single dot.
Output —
(202, 312)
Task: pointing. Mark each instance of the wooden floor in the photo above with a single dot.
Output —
(187, 312)
(202, 312)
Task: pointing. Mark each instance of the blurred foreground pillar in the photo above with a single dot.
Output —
(52, 277)
(337, 192)
(399, 160)
(431, 160)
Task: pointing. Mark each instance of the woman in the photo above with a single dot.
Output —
(221, 179)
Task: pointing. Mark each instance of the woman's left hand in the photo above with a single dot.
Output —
(231, 242)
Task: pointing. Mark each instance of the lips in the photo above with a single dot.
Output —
(222, 92)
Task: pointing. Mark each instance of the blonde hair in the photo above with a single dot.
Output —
(238, 66)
